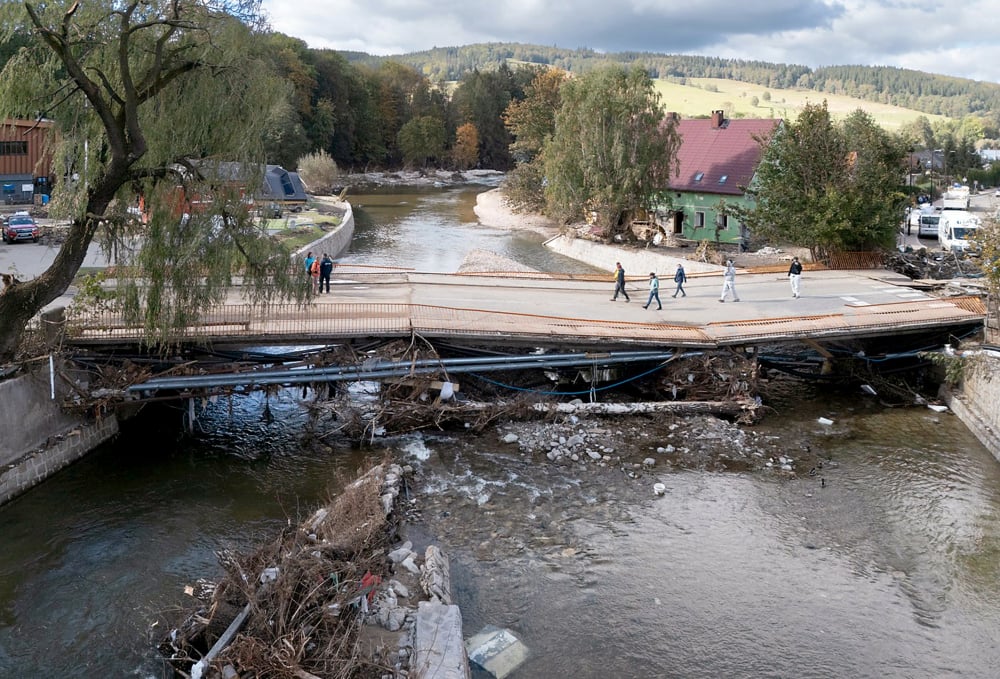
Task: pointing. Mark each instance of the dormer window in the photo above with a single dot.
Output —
(698, 176)
(723, 178)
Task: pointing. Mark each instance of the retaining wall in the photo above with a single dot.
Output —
(334, 243)
(38, 438)
(635, 262)
(976, 402)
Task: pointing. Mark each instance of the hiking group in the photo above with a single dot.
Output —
(680, 278)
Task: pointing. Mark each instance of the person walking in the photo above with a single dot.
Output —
(729, 282)
(325, 269)
(795, 276)
(309, 261)
(654, 292)
(620, 283)
(680, 278)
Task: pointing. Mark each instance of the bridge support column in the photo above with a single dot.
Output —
(190, 416)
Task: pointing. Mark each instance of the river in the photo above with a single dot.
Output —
(887, 568)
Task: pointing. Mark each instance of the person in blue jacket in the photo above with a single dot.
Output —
(654, 292)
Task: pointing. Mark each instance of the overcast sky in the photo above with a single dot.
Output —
(953, 38)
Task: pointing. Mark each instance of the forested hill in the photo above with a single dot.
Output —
(917, 90)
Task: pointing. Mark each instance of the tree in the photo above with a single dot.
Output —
(422, 140)
(481, 99)
(157, 99)
(828, 187)
(612, 151)
(465, 152)
(319, 171)
(532, 122)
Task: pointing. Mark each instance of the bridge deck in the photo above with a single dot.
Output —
(571, 309)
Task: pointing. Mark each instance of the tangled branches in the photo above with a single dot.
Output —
(306, 593)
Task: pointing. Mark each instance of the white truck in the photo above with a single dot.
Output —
(955, 198)
(955, 227)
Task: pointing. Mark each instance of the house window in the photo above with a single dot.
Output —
(723, 178)
(699, 220)
(722, 221)
(13, 148)
(698, 176)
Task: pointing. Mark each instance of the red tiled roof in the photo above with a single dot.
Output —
(730, 150)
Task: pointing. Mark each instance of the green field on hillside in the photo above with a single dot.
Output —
(701, 96)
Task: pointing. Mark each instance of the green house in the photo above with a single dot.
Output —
(717, 160)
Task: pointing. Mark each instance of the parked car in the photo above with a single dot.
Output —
(20, 226)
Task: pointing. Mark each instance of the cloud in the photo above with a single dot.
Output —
(960, 39)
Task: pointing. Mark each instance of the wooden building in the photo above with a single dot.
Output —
(25, 161)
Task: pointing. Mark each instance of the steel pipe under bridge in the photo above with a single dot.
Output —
(381, 369)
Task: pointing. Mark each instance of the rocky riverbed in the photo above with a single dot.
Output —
(641, 447)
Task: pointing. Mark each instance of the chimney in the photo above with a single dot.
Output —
(673, 115)
(717, 119)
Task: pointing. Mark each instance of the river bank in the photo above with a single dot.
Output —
(887, 570)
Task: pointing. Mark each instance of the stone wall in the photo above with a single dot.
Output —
(62, 450)
(636, 262)
(976, 402)
(38, 438)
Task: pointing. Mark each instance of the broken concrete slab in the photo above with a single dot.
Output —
(496, 650)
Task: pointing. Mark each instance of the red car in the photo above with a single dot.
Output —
(20, 227)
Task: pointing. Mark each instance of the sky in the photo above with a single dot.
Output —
(952, 38)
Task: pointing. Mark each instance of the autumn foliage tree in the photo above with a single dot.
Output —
(158, 99)
(465, 152)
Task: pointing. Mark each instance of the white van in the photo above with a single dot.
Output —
(928, 225)
(954, 229)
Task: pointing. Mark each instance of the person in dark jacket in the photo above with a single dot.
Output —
(680, 278)
(620, 282)
(795, 276)
(325, 269)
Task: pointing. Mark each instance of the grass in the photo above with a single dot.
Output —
(307, 226)
(701, 96)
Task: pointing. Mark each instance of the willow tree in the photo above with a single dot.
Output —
(155, 102)
(613, 148)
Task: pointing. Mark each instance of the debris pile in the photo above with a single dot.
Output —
(302, 605)
(924, 264)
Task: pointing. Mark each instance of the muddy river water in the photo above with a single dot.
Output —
(888, 567)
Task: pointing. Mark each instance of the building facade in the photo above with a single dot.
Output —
(25, 161)
(717, 161)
